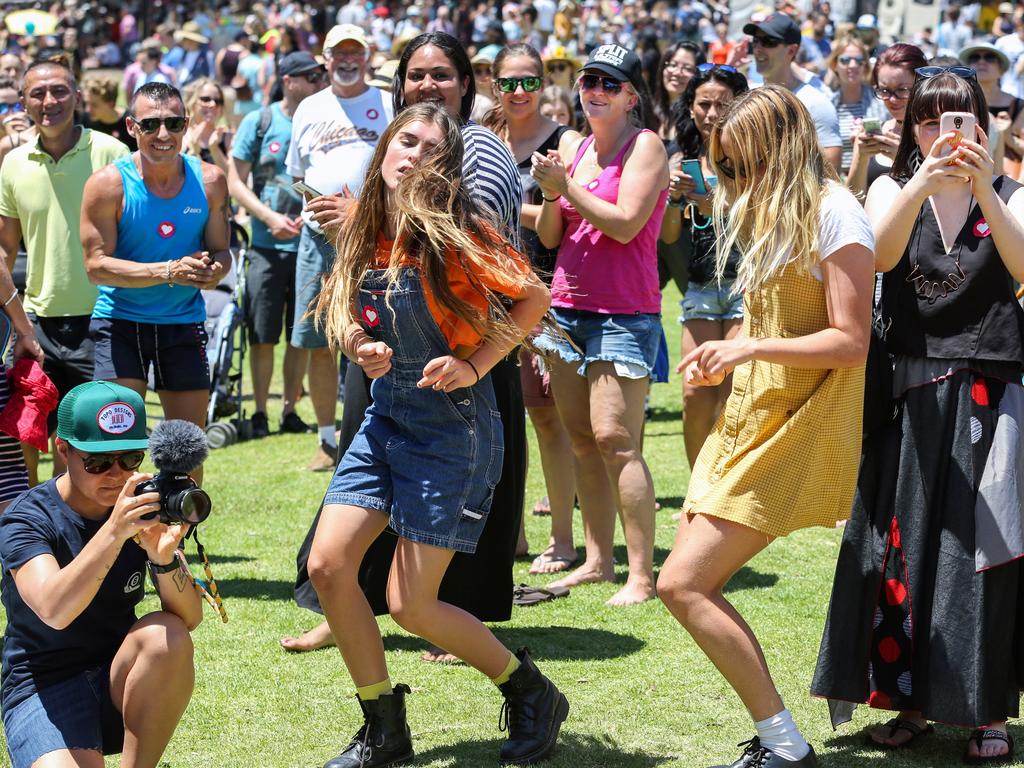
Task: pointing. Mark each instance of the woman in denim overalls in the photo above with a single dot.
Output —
(417, 298)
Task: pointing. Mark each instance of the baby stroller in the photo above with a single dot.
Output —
(226, 423)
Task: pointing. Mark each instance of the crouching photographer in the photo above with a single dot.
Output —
(82, 676)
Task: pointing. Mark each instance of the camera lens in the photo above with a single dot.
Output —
(958, 122)
(194, 506)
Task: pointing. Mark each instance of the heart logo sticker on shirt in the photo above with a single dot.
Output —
(166, 229)
(371, 317)
(275, 147)
(982, 229)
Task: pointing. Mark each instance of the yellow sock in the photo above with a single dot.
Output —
(373, 692)
(512, 666)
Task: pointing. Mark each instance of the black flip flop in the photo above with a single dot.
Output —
(899, 724)
(524, 594)
(989, 734)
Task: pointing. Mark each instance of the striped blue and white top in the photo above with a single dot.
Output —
(491, 175)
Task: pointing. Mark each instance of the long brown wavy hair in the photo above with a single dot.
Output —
(435, 221)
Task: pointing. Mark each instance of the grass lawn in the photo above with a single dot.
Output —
(642, 694)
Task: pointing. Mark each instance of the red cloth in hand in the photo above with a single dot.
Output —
(33, 396)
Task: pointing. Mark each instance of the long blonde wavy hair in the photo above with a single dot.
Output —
(435, 221)
(769, 212)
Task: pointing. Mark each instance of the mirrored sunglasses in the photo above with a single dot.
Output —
(510, 84)
(98, 463)
(607, 84)
(967, 73)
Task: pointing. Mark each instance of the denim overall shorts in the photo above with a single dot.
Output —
(428, 459)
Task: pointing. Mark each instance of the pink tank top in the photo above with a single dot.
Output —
(595, 273)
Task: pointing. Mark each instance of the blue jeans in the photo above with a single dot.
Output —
(630, 342)
(76, 713)
(709, 301)
(314, 260)
(428, 459)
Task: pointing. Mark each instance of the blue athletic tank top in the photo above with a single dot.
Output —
(156, 229)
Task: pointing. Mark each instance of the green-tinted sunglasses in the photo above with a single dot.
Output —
(510, 84)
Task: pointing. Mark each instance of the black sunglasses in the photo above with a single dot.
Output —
(314, 76)
(713, 67)
(98, 463)
(212, 100)
(152, 124)
(765, 42)
(510, 84)
(591, 82)
(731, 172)
(557, 66)
(967, 73)
(991, 58)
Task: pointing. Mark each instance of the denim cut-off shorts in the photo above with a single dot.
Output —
(76, 713)
(630, 342)
(709, 301)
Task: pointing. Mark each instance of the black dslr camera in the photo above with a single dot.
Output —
(177, 447)
(181, 500)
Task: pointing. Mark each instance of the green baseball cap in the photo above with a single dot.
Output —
(101, 416)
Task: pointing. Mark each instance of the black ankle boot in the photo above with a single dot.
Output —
(384, 738)
(533, 712)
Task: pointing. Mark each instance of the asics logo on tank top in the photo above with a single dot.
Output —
(610, 54)
(166, 229)
(189, 210)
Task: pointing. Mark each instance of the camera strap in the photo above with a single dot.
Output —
(208, 588)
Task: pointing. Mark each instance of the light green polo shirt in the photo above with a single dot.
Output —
(46, 197)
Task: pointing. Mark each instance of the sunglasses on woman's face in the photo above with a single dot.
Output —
(152, 124)
(890, 93)
(510, 84)
(482, 71)
(211, 100)
(991, 58)
(558, 66)
(967, 73)
(15, 107)
(98, 463)
(607, 84)
(848, 60)
(725, 165)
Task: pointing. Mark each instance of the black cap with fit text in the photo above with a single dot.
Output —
(617, 62)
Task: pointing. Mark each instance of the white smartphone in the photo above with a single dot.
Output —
(964, 124)
(305, 190)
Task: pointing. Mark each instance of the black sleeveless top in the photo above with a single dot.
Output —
(543, 259)
(935, 308)
(875, 171)
(704, 253)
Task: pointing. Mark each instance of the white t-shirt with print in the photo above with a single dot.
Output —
(333, 140)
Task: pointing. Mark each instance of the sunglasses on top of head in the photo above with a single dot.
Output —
(717, 67)
(967, 73)
(510, 84)
(174, 124)
(607, 84)
(98, 463)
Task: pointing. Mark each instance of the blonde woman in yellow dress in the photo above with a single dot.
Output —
(784, 452)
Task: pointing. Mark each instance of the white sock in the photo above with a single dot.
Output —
(327, 436)
(780, 734)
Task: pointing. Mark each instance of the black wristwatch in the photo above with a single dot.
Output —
(158, 569)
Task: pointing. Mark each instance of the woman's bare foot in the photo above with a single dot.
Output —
(885, 735)
(638, 589)
(991, 747)
(437, 655)
(311, 640)
(555, 559)
(588, 573)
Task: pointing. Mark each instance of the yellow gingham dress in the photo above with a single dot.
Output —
(784, 453)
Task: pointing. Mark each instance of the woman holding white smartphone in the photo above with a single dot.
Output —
(710, 310)
(927, 611)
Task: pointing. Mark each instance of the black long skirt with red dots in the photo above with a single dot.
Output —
(913, 624)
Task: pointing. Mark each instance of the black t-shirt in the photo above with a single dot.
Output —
(36, 656)
(119, 130)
